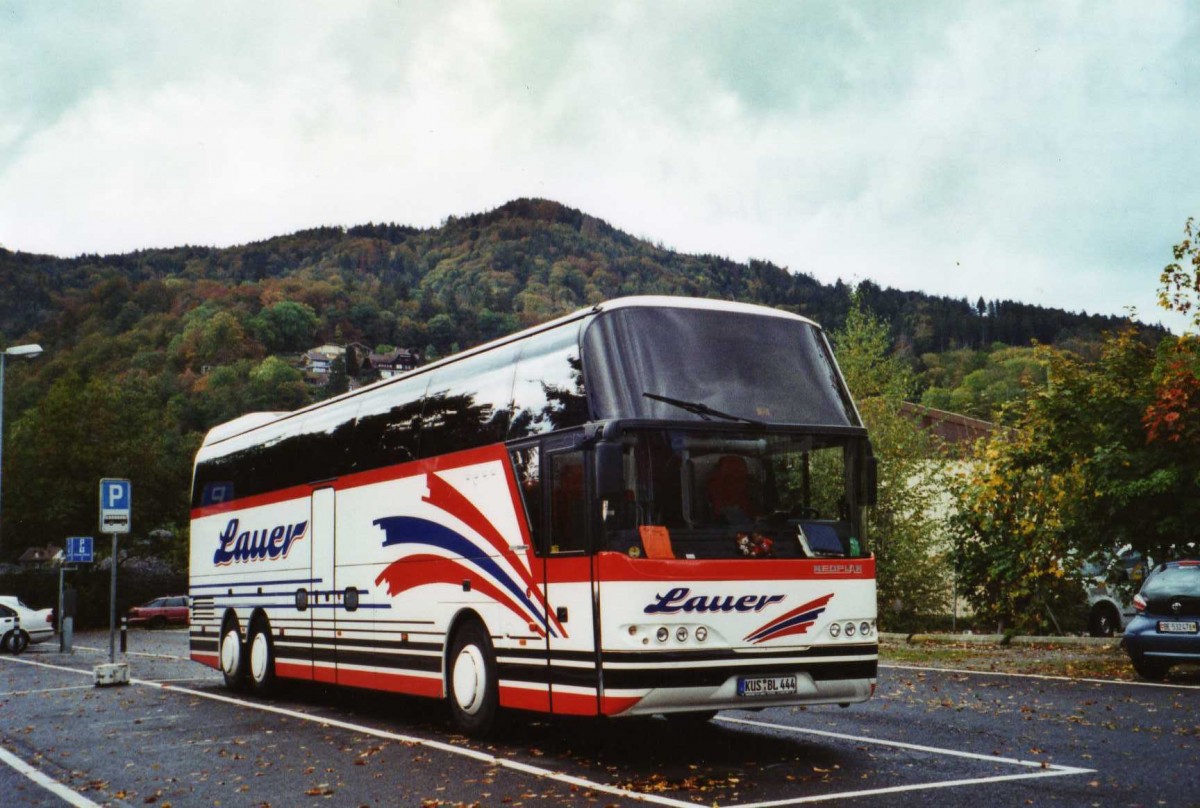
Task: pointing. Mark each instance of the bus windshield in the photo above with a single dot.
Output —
(702, 494)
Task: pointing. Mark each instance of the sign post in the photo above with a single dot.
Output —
(79, 551)
(116, 498)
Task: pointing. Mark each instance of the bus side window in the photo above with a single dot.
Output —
(527, 468)
(568, 503)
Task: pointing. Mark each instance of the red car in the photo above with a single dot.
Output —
(161, 612)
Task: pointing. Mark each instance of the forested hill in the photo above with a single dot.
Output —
(146, 351)
(488, 274)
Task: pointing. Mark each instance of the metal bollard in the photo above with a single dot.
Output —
(124, 634)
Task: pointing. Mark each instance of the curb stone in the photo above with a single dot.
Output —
(999, 639)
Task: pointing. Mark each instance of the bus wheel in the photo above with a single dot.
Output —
(473, 692)
(261, 662)
(233, 664)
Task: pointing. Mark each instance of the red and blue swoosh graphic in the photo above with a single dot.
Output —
(467, 559)
(797, 621)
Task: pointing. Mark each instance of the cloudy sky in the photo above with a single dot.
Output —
(1047, 152)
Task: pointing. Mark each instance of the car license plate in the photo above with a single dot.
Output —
(1177, 626)
(766, 686)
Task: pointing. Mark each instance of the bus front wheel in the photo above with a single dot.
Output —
(473, 690)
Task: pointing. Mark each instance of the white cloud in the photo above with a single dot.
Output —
(1033, 152)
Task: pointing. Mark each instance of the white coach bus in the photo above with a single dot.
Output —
(651, 506)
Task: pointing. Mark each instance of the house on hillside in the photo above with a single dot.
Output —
(40, 557)
(392, 364)
(318, 362)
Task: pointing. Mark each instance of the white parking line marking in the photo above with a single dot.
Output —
(1045, 676)
(50, 784)
(482, 757)
(44, 690)
(1043, 769)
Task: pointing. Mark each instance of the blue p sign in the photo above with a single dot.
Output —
(115, 494)
(115, 506)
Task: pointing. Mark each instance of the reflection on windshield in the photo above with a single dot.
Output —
(722, 495)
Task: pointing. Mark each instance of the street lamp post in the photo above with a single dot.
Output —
(29, 352)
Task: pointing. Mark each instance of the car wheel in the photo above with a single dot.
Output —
(233, 663)
(1154, 670)
(260, 664)
(1105, 621)
(473, 691)
(158, 622)
(15, 641)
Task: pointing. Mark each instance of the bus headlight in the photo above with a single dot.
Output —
(701, 634)
(850, 629)
(835, 630)
(663, 634)
(864, 628)
(681, 633)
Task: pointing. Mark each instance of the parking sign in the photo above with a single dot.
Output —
(115, 505)
(79, 550)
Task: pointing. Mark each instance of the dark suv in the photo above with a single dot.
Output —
(1165, 631)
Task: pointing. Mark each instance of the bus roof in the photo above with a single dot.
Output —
(252, 421)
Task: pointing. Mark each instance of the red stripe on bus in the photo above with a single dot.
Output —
(615, 705)
(206, 659)
(522, 698)
(386, 474)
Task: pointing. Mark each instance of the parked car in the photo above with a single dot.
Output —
(1110, 607)
(21, 624)
(1166, 629)
(161, 612)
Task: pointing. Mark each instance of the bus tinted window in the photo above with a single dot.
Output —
(387, 430)
(549, 391)
(468, 403)
(773, 370)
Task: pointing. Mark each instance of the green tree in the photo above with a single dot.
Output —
(905, 526)
(286, 327)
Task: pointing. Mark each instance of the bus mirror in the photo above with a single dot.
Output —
(871, 481)
(610, 470)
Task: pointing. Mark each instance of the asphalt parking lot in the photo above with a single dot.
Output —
(176, 737)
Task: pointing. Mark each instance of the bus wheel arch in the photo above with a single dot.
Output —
(231, 656)
(260, 654)
(472, 687)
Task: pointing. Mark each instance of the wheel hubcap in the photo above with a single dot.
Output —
(259, 656)
(229, 653)
(469, 679)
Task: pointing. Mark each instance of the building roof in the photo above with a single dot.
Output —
(951, 427)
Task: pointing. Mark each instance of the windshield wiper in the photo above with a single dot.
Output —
(703, 410)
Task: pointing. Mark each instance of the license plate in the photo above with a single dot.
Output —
(1177, 627)
(766, 686)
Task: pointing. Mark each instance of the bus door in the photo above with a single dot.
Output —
(323, 595)
(567, 576)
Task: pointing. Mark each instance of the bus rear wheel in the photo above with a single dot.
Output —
(260, 662)
(472, 682)
(233, 661)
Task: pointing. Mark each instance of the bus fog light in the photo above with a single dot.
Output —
(835, 630)
(701, 634)
(663, 634)
(864, 628)
(850, 629)
(681, 633)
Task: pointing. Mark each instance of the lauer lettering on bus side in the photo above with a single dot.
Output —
(680, 599)
(258, 544)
